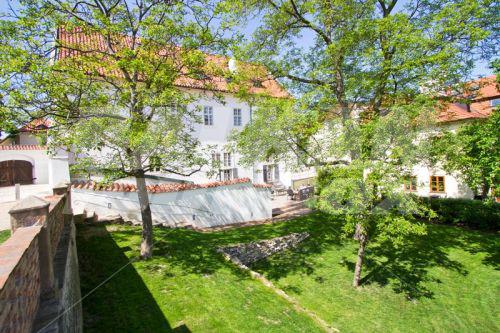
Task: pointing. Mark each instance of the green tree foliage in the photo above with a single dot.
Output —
(113, 99)
(364, 75)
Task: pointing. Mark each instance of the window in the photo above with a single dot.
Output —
(410, 183)
(495, 102)
(437, 184)
(229, 174)
(271, 173)
(237, 117)
(216, 159)
(227, 159)
(208, 115)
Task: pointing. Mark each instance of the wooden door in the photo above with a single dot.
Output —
(16, 172)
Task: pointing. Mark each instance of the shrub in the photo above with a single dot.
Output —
(475, 214)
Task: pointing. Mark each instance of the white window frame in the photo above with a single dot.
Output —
(227, 160)
(237, 117)
(208, 115)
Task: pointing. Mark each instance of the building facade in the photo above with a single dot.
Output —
(482, 97)
(25, 160)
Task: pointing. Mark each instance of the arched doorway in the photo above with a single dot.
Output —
(16, 172)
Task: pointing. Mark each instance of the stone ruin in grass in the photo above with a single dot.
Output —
(248, 253)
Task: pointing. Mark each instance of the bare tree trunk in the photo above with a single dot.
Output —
(485, 189)
(147, 219)
(361, 237)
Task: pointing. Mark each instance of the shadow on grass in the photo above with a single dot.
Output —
(124, 303)
(195, 252)
(408, 266)
(405, 268)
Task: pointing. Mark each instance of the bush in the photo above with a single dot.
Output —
(475, 214)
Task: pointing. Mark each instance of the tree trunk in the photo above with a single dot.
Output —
(147, 219)
(484, 190)
(361, 237)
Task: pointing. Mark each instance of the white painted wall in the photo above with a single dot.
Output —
(453, 187)
(214, 206)
(27, 139)
(47, 169)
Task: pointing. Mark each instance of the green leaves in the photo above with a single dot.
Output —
(109, 78)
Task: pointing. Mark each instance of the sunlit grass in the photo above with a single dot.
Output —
(445, 281)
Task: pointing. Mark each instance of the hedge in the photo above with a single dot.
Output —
(475, 214)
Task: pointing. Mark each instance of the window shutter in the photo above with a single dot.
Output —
(264, 173)
(235, 173)
(276, 172)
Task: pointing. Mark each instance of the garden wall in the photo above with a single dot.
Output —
(39, 268)
(206, 205)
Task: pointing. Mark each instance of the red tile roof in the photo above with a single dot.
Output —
(36, 125)
(483, 88)
(22, 147)
(76, 42)
(160, 188)
(481, 92)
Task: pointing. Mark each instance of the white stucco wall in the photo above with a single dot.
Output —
(47, 169)
(38, 159)
(454, 188)
(206, 207)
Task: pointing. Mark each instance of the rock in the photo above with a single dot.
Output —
(248, 253)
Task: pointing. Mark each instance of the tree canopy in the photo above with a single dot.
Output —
(366, 82)
(108, 74)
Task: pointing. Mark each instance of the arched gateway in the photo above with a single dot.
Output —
(16, 172)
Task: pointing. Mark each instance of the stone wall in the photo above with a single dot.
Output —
(19, 280)
(38, 268)
(248, 253)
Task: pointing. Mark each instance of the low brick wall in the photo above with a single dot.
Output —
(56, 217)
(19, 280)
(37, 263)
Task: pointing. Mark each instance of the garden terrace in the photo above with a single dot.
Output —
(444, 281)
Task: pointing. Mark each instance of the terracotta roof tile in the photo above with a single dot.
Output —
(159, 188)
(35, 125)
(73, 43)
(22, 147)
(485, 90)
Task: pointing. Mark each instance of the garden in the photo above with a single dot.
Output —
(446, 280)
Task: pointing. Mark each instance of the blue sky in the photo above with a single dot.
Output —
(481, 67)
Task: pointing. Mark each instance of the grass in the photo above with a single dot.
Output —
(446, 281)
(4, 235)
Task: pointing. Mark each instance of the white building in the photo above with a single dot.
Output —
(219, 119)
(25, 160)
(434, 182)
(220, 115)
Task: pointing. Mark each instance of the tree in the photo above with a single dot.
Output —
(108, 74)
(364, 75)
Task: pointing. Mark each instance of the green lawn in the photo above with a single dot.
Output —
(4, 235)
(447, 281)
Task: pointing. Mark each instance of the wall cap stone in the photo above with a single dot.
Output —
(30, 203)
